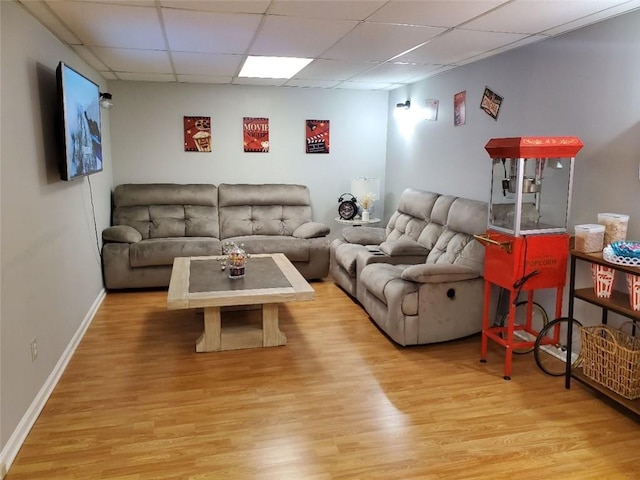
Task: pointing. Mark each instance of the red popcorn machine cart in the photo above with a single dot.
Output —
(527, 244)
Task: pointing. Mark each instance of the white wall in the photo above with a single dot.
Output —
(51, 275)
(147, 137)
(583, 83)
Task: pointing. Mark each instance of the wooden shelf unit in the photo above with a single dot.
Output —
(618, 303)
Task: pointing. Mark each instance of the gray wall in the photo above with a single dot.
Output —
(584, 83)
(147, 137)
(50, 275)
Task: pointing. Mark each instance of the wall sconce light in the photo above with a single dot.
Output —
(406, 105)
(106, 100)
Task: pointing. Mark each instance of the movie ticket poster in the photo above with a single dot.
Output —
(256, 134)
(197, 134)
(491, 103)
(317, 132)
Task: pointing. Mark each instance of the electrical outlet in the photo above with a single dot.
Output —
(34, 349)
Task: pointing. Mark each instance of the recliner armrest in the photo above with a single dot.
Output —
(404, 247)
(311, 230)
(121, 234)
(364, 235)
(438, 273)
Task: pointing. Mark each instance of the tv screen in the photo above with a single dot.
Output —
(79, 124)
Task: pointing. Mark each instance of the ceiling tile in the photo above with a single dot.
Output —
(119, 26)
(146, 77)
(298, 37)
(442, 13)
(206, 32)
(374, 41)
(311, 83)
(495, 51)
(333, 69)
(89, 57)
(363, 86)
(526, 16)
(341, 9)
(108, 75)
(213, 64)
(395, 72)
(46, 16)
(130, 60)
(264, 82)
(458, 45)
(205, 79)
(229, 6)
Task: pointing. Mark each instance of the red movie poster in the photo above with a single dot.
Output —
(256, 134)
(459, 108)
(317, 136)
(197, 134)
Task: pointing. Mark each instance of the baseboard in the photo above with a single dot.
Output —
(19, 435)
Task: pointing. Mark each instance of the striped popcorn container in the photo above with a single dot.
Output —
(602, 280)
(633, 284)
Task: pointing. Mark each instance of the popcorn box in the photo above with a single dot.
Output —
(602, 280)
(633, 284)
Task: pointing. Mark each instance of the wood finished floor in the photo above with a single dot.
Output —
(340, 401)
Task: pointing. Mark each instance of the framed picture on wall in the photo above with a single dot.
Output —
(256, 134)
(491, 103)
(317, 136)
(197, 134)
(459, 108)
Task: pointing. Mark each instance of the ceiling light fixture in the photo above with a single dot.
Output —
(273, 67)
(106, 100)
(406, 105)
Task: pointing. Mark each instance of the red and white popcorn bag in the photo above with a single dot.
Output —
(633, 284)
(602, 280)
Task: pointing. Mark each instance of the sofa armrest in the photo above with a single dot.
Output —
(364, 235)
(403, 247)
(311, 230)
(121, 234)
(438, 273)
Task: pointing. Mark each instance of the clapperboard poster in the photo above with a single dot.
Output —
(317, 136)
(256, 134)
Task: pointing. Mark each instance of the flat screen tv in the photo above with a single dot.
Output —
(79, 130)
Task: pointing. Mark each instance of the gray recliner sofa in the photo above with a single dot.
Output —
(154, 223)
(420, 278)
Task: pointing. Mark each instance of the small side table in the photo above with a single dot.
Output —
(357, 222)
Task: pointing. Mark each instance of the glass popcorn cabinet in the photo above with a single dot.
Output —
(527, 244)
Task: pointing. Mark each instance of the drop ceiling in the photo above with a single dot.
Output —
(361, 44)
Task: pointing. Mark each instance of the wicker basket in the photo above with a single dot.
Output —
(611, 357)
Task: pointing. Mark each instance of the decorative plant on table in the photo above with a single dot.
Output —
(366, 202)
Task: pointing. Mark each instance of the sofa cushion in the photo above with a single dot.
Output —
(346, 255)
(244, 220)
(364, 235)
(438, 273)
(122, 234)
(403, 247)
(159, 210)
(311, 230)
(162, 251)
(295, 249)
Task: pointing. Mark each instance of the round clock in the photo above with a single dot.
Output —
(347, 207)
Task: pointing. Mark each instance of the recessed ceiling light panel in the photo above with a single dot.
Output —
(273, 67)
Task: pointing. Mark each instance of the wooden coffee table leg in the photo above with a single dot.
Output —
(271, 334)
(209, 341)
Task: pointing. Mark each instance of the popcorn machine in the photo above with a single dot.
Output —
(527, 244)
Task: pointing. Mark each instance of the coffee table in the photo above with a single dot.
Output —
(199, 282)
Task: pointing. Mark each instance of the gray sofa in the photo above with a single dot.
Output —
(420, 278)
(154, 223)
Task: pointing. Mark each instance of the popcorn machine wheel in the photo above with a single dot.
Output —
(527, 245)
